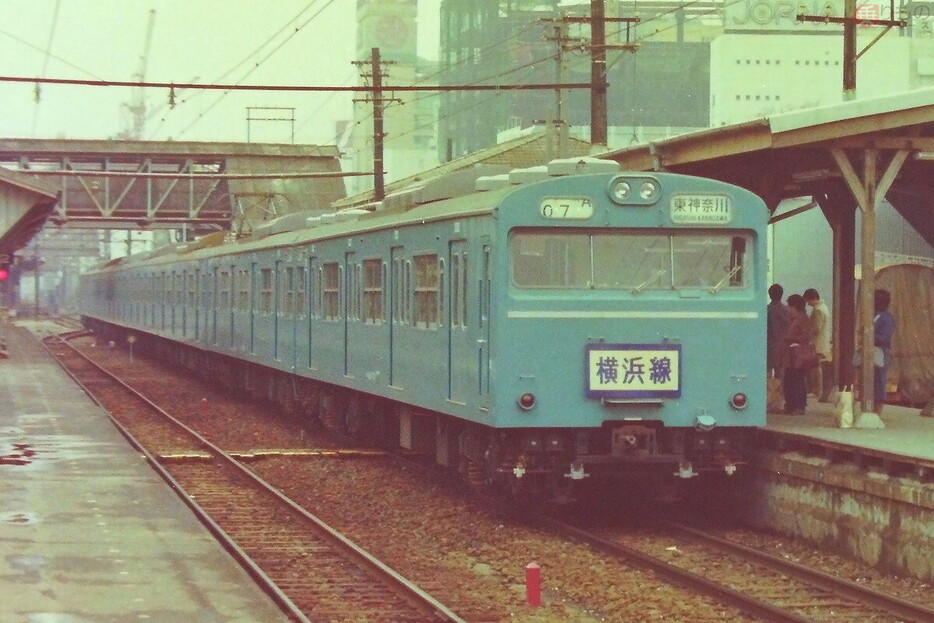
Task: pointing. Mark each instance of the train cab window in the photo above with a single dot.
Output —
(628, 260)
(714, 261)
(426, 291)
(330, 291)
(373, 291)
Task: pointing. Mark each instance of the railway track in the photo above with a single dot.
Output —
(778, 599)
(310, 569)
(762, 585)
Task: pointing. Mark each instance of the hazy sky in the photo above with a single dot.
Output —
(299, 42)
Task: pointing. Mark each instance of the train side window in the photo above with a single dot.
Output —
(300, 291)
(224, 301)
(464, 283)
(243, 295)
(192, 297)
(330, 291)
(441, 291)
(455, 289)
(426, 291)
(373, 291)
(265, 290)
(407, 293)
(288, 292)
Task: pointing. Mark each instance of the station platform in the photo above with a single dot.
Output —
(908, 437)
(88, 531)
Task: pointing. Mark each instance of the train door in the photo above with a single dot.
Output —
(350, 305)
(314, 298)
(214, 304)
(198, 301)
(461, 342)
(298, 320)
(251, 310)
(396, 313)
(276, 311)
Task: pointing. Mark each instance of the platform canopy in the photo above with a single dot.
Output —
(25, 204)
(845, 157)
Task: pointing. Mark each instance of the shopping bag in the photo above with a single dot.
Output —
(774, 401)
(844, 407)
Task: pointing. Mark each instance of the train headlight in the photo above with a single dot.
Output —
(620, 190)
(739, 400)
(634, 190)
(649, 190)
(526, 401)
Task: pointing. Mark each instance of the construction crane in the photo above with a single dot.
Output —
(137, 107)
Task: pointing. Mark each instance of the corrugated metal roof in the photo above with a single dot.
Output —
(524, 151)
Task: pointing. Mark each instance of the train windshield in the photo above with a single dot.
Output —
(630, 260)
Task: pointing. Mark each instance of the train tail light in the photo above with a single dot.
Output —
(739, 400)
(526, 401)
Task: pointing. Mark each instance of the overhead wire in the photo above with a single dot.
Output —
(258, 63)
(45, 67)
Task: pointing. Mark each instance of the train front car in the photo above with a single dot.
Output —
(629, 331)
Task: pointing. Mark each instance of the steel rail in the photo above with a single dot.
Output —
(259, 576)
(404, 588)
(679, 576)
(869, 596)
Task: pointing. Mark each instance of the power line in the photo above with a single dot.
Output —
(295, 88)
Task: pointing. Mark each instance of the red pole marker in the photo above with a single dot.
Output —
(533, 584)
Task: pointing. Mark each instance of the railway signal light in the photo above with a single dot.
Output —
(4, 272)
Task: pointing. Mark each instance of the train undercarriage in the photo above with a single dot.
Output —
(527, 468)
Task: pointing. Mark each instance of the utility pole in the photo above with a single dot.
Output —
(376, 96)
(598, 113)
(850, 21)
(598, 47)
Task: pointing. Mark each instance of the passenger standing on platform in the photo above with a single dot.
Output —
(777, 320)
(883, 331)
(821, 377)
(799, 332)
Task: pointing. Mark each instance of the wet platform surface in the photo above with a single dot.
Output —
(906, 433)
(88, 531)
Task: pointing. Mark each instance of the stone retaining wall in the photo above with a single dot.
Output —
(886, 521)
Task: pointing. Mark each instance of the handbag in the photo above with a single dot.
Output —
(803, 356)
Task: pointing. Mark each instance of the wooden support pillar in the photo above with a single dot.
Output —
(840, 211)
(868, 192)
(867, 276)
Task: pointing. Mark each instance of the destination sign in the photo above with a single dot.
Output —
(633, 371)
(701, 209)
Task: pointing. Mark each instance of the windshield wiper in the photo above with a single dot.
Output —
(729, 276)
(642, 285)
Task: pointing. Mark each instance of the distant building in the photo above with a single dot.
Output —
(767, 62)
(410, 119)
(661, 90)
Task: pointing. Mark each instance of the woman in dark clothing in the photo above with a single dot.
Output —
(883, 330)
(799, 332)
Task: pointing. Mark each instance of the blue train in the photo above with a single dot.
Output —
(584, 324)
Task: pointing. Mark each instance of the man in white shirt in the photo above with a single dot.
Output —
(821, 378)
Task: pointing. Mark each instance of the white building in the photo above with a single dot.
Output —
(767, 62)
